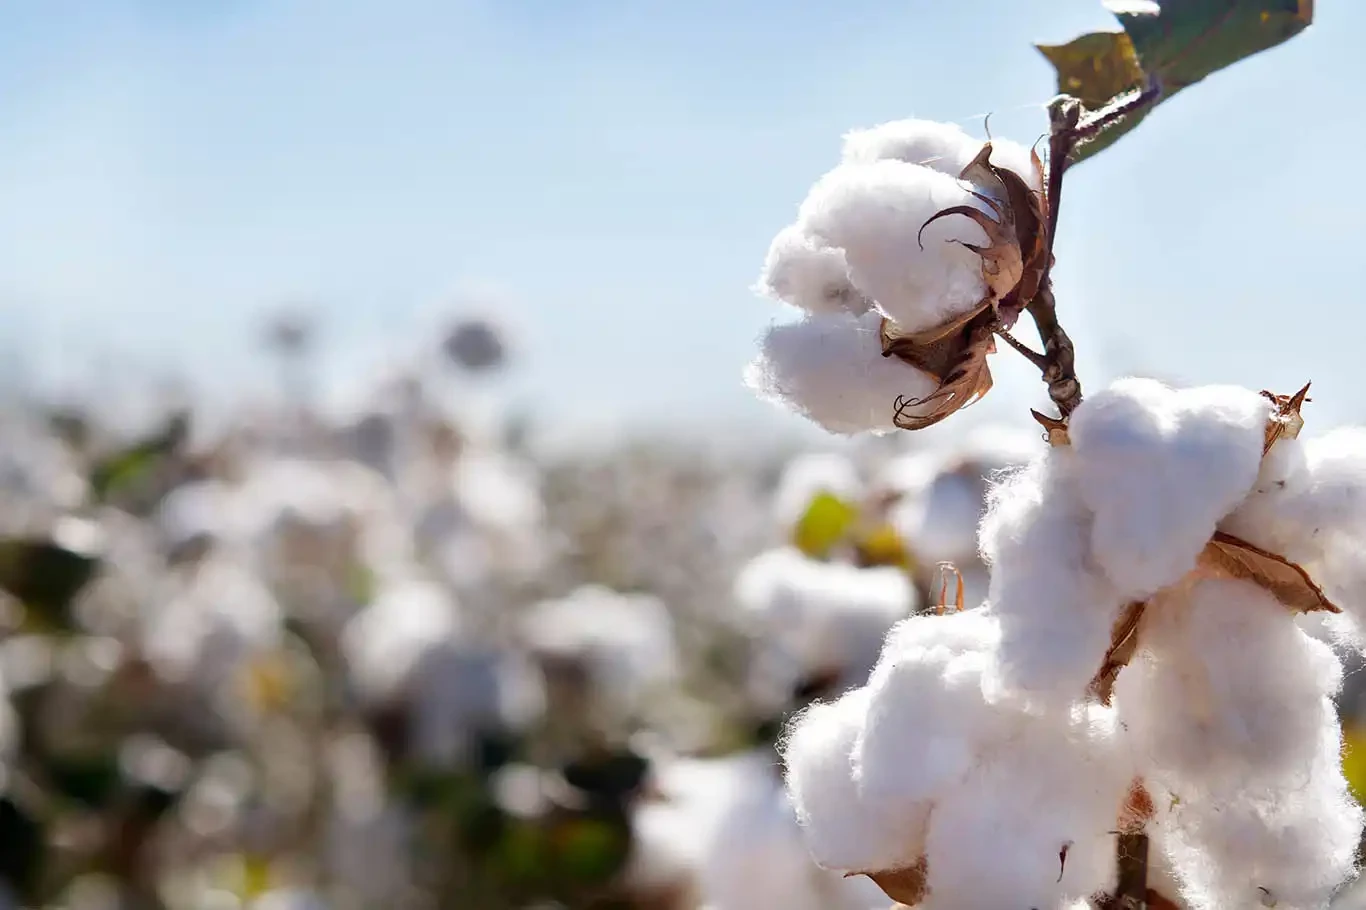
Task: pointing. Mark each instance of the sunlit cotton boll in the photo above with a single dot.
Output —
(944, 147)
(1160, 468)
(1227, 693)
(875, 213)
(806, 273)
(1056, 612)
(830, 369)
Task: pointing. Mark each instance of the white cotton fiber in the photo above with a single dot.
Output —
(927, 717)
(830, 369)
(817, 753)
(997, 839)
(944, 147)
(813, 617)
(1159, 468)
(1288, 846)
(1228, 692)
(808, 274)
(1056, 612)
(874, 213)
(939, 520)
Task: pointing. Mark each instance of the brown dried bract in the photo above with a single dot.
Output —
(905, 886)
(1286, 423)
(945, 570)
(1015, 260)
(1123, 644)
(1226, 556)
(1055, 429)
(966, 379)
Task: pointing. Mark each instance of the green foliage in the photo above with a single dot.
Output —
(1175, 43)
(46, 577)
(125, 472)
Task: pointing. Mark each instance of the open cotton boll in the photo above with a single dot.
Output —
(1227, 693)
(830, 369)
(939, 521)
(818, 756)
(809, 475)
(1159, 468)
(928, 719)
(944, 147)
(821, 617)
(1056, 612)
(997, 838)
(874, 213)
(1288, 846)
(810, 275)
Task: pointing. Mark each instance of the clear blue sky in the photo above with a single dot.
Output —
(614, 169)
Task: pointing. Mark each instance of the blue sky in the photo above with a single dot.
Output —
(610, 173)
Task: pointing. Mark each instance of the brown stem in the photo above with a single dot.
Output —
(1059, 371)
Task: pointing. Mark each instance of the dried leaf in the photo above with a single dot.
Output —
(905, 886)
(1226, 556)
(933, 351)
(1123, 644)
(1286, 423)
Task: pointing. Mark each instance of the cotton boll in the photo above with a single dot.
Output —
(1289, 846)
(809, 475)
(874, 213)
(944, 147)
(939, 521)
(810, 275)
(384, 643)
(1159, 468)
(1228, 692)
(815, 617)
(830, 369)
(927, 719)
(817, 754)
(996, 839)
(1056, 613)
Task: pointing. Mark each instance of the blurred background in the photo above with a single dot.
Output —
(385, 523)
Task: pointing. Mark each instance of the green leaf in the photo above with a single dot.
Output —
(826, 520)
(1176, 42)
(46, 577)
(120, 471)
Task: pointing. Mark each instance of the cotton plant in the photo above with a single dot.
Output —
(1134, 715)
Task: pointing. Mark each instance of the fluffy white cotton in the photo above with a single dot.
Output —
(927, 720)
(626, 640)
(830, 369)
(809, 475)
(1228, 694)
(996, 838)
(1159, 468)
(818, 755)
(874, 213)
(1056, 612)
(939, 520)
(1289, 846)
(812, 617)
(808, 274)
(944, 147)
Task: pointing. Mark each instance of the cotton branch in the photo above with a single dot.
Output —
(1067, 130)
